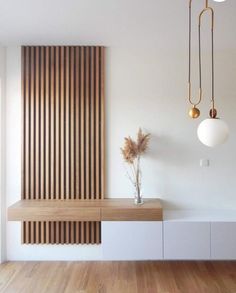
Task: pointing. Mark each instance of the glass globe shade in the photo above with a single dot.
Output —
(213, 132)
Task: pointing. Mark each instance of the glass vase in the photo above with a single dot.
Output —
(138, 198)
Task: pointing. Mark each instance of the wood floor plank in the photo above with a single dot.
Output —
(117, 277)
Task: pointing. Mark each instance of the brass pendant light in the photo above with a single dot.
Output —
(213, 131)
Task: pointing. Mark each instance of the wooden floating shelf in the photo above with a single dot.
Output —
(85, 210)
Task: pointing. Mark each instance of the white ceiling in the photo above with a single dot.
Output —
(154, 23)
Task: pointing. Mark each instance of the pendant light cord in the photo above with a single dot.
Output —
(207, 8)
(189, 44)
(200, 57)
(190, 59)
(212, 55)
(213, 71)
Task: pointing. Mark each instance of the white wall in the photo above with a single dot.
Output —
(2, 155)
(145, 88)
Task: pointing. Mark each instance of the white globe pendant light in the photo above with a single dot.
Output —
(212, 132)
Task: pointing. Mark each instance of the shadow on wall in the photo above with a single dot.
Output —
(169, 151)
(171, 161)
(170, 205)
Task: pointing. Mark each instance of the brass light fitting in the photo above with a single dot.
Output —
(194, 112)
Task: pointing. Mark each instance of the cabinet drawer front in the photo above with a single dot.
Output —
(223, 240)
(186, 240)
(132, 240)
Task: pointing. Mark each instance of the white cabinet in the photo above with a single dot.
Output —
(223, 240)
(183, 235)
(132, 240)
(186, 240)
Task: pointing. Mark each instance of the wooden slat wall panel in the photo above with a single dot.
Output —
(63, 136)
(61, 233)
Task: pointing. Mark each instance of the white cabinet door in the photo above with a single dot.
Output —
(223, 240)
(186, 240)
(132, 240)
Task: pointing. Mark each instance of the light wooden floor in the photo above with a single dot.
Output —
(118, 277)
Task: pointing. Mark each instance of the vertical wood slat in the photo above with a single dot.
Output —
(63, 135)
(23, 134)
(26, 192)
(102, 121)
(57, 241)
(47, 125)
(82, 115)
(67, 123)
(92, 179)
(77, 124)
(31, 232)
(37, 120)
(62, 238)
(72, 236)
(57, 126)
(47, 240)
(42, 125)
(98, 229)
(97, 68)
(92, 120)
(77, 238)
(37, 231)
(52, 233)
(32, 125)
(51, 124)
(27, 233)
(72, 130)
(62, 123)
(87, 126)
(67, 232)
(42, 233)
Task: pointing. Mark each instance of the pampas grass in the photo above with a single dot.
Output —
(132, 153)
